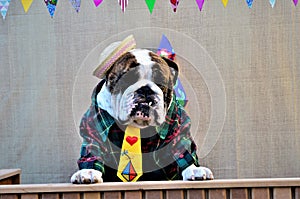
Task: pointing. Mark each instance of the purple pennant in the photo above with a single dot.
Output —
(97, 2)
(200, 4)
(165, 49)
(51, 5)
(295, 2)
(76, 4)
(249, 3)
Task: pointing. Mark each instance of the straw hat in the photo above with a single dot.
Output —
(111, 53)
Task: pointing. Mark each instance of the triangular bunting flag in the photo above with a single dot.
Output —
(76, 4)
(150, 4)
(166, 50)
(249, 3)
(4, 7)
(51, 5)
(295, 2)
(97, 2)
(174, 4)
(200, 4)
(225, 3)
(123, 4)
(272, 2)
(26, 4)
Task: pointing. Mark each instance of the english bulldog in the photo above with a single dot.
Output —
(137, 90)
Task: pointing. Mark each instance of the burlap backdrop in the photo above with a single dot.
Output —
(240, 68)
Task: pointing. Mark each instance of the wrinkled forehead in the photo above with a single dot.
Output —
(142, 56)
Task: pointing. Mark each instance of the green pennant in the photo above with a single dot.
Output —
(150, 4)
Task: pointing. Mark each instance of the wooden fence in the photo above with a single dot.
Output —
(273, 188)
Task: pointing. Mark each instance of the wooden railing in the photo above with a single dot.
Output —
(274, 188)
(10, 176)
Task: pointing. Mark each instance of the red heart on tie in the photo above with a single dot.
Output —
(131, 140)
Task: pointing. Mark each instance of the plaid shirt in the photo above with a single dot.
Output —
(167, 149)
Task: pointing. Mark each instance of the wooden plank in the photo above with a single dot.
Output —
(174, 194)
(239, 193)
(153, 195)
(71, 196)
(217, 193)
(9, 196)
(91, 195)
(282, 193)
(196, 194)
(30, 196)
(10, 176)
(6, 173)
(297, 193)
(6, 181)
(133, 195)
(112, 195)
(260, 193)
(50, 196)
(151, 185)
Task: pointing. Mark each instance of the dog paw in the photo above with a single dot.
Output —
(197, 173)
(87, 176)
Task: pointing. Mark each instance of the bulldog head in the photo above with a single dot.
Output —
(140, 87)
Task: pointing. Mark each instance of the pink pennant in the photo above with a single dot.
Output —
(97, 2)
(123, 4)
(295, 2)
(174, 4)
(200, 4)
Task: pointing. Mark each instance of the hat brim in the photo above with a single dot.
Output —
(113, 52)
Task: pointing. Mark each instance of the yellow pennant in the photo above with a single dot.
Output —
(26, 4)
(130, 165)
(225, 3)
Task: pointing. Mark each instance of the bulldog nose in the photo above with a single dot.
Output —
(144, 90)
(145, 95)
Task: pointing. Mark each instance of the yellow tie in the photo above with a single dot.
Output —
(130, 165)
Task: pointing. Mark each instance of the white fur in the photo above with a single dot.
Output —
(86, 176)
(104, 100)
(143, 58)
(192, 173)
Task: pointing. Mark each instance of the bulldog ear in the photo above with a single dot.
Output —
(173, 68)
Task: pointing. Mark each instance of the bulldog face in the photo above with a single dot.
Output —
(141, 87)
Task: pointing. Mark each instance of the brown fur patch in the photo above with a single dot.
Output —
(118, 69)
(165, 75)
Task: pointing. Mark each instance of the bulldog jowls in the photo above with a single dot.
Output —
(136, 89)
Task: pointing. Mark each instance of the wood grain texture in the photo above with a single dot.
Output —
(217, 194)
(153, 194)
(196, 194)
(95, 195)
(112, 195)
(175, 194)
(238, 193)
(50, 196)
(133, 195)
(71, 196)
(31, 196)
(260, 193)
(9, 196)
(282, 193)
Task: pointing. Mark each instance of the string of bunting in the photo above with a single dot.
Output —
(51, 5)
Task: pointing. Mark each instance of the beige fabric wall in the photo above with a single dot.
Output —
(240, 68)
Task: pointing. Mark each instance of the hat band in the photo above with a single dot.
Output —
(119, 52)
